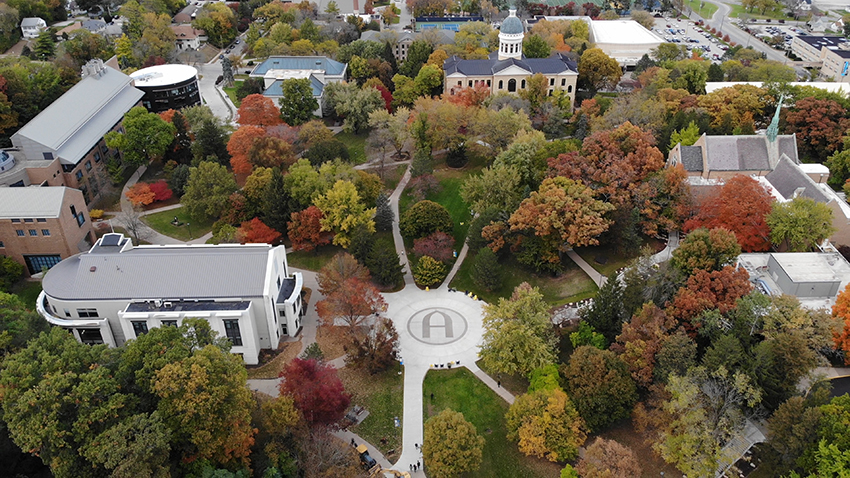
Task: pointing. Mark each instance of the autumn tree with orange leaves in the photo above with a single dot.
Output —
(305, 230)
(642, 338)
(710, 290)
(240, 145)
(741, 206)
(257, 110)
(140, 194)
(819, 125)
(352, 303)
(841, 311)
(256, 232)
(271, 152)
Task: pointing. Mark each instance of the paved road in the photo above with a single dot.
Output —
(722, 22)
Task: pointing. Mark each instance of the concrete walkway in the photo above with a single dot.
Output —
(598, 278)
(460, 257)
(397, 239)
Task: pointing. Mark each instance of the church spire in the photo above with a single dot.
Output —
(773, 129)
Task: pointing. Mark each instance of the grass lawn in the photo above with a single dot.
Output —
(572, 285)
(161, 222)
(312, 261)
(614, 259)
(28, 292)
(460, 390)
(707, 10)
(382, 395)
(356, 144)
(231, 92)
(738, 10)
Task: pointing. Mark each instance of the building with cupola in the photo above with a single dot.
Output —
(508, 70)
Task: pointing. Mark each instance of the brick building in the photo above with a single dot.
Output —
(41, 226)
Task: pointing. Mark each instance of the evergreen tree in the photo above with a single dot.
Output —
(486, 272)
(422, 164)
(278, 204)
(606, 314)
(384, 215)
(384, 264)
(388, 55)
(211, 140)
(715, 73)
(361, 243)
(181, 147)
(45, 48)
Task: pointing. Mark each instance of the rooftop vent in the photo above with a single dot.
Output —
(92, 268)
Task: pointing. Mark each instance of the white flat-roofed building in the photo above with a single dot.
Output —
(815, 278)
(167, 87)
(115, 292)
(31, 27)
(623, 40)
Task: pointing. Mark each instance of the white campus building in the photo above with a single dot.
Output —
(116, 291)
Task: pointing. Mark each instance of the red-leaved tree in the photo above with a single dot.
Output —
(438, 245)
(161, 191)
(240, 145)
(256, 232)
(140, 194)
(841, 310)
(352, 302)
(258, 110)
(819, 126)
(471, 97)
(710, 290)
(305, 230)
(316, 390)
(740, 206)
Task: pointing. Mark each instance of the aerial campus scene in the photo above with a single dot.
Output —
(431, 238)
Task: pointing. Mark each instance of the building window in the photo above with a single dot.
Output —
(87, 312)
(41, 219)
(16, 220)
(470, 83)
(19, 232)
(169, 323)
(27, 220)
(47, 155)
(2, 245)
(523, 84)
(231, 329)
(512, 85)
(88, 164)
(96, 157)
(90, 336)
(563, 82)
(45, 232)
(104, 148)
(570, 89)
(67, 313)
(488, 83)
(501, 84)
(38, 263)
(79, 175)
(33, 232)
(140, 327)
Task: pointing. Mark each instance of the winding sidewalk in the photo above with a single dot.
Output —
(397, 239)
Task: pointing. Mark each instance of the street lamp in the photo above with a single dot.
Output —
(189, 225)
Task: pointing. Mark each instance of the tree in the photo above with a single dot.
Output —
(342, 212)
(452, 446)
(277, 203)
(425, 218)
(355, 104)
(518, 336)
(384, 215)
(314, 132)
(384, 265)
(375, 352)
(495, 187)
(710, 290)
(608, 458)
(211, 140)
(438, 245)
(606, 313)
(352, 303)
(325, 151)
(641, 339)
(208, 190)
(297, 103)
(240, 144)
(146, 136)
(19, 323)
(45, 48)
(545, 424)
(741, 206)
(305, 230)
(819, 125)
(707, 250)
(339, 269)
(140, 194)
(132, 221)
(428, 272)
(331, 8)
(707, 409)
(791, 431)
(204, 398)
(316, 390)
(800, 224)
(270, 152)
(536, 47)
(562, 214)
(686, 136)
(255, 232)
(598, 70)
(258, 110)
(486, 270)
(841, 311)
(600, 386)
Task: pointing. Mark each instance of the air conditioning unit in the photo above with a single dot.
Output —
(167, 305)
(158, 302)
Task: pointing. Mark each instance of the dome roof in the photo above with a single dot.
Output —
(512, 25)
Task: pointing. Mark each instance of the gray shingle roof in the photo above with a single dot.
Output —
(692, 158)
(788, 178)
(161, 272)
(331, 67)
(737, 153)
(76, 121)
(31, 22)
(31, 202)
(552, 65)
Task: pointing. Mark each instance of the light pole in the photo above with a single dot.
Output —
(189, 225)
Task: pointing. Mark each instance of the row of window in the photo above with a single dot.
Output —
(512, 84)
(32, 232)
(40, 219)
(231, 328)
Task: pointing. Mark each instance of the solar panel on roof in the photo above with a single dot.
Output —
(110, 240)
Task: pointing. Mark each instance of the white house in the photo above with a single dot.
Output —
(32, 26)
(320, 70)
(116, 291)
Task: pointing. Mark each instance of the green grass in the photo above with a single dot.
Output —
(707, 10)
(738, 10)
(449, 197)
(570, 286)
(616, 260)
(161, 222)
(461, 391)
(356, 144)
(231, 92)
(382, 395)
(312, 261)
(28, 292)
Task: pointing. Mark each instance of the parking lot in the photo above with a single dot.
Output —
(687, 33)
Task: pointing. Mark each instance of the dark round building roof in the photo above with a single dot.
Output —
(512, 26)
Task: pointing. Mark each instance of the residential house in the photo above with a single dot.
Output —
(41, 226)
(116, 292)
(63, 145)
(31, 27)
(188, 37)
